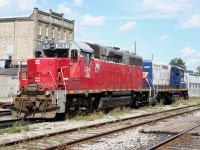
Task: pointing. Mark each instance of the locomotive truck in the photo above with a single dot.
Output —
(70, 76)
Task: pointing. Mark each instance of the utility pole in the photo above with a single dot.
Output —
(135, 47)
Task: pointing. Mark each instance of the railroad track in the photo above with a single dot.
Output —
(8, 123)
(5, 112)
(168, 142)
(67, 138)
(5, 105)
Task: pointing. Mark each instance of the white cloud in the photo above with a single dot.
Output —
(191, 23)
(127, 26)
(26, 5)
(187, 51)
(64, 9)
(78, 2)
(18, 5)
(89, 20)
(4, 3)
(164, 37)
(166, 6)
(193, 62)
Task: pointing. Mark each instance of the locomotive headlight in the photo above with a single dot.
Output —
(47, 93)
(19, 93)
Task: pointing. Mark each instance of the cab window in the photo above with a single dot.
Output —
(74, 55)
(62, 53)
(86, 57)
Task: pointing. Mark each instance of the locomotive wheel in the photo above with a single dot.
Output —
(135, 103)
(158, 98)
(168, 99)
(186, 96)
(152, 101)
(96, 103)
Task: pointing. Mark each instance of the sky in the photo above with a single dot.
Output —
(164, 29)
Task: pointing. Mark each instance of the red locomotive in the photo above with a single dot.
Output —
(68, 76)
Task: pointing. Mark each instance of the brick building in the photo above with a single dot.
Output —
(20, 35)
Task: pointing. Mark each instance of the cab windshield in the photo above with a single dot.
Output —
(59, 53)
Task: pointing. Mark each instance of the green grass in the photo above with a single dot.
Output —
(16, 128)
(119, 111)
(48, 128)
(93, 116)
(191, 101)
(99, 115)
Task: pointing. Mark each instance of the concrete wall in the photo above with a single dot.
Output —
(16, 40)
(6, 39)
(8, 86)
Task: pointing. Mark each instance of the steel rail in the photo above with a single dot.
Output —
(5, 112)
(172, 138)
(7, 123)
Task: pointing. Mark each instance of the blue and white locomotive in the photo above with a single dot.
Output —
(164, 81)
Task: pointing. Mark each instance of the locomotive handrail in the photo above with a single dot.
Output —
(53, 79)
(55, 83)
(150, 86)
(20, 71)
(63, 77)
(77, 67)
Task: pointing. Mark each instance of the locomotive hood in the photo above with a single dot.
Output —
(52, 45)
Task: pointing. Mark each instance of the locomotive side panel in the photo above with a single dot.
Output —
(161, 75)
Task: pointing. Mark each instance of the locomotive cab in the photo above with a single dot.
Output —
(177, 77)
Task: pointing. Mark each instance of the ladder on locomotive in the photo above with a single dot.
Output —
(152, 90)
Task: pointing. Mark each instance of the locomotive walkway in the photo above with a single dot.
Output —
(66, 138)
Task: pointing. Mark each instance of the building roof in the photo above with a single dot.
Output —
(14, 18)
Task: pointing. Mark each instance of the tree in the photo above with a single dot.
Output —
(178, 62)
(198, 70)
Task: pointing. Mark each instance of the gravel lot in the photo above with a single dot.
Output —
(128, 140)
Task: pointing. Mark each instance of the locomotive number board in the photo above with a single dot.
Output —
(62, 45)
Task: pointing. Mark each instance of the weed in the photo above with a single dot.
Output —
(119, 111)
(81, 129)
(128, 123)
(116, 112)
(48, 128)
(93, 116)
(16, 128)
(45, 138)
(61, 140)
(10, 130)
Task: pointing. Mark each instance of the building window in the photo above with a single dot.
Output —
(47, 31)
(59, 36)
(65, 35)
(40, 29)
(70, 35)
(53, 34)
(39, 39)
